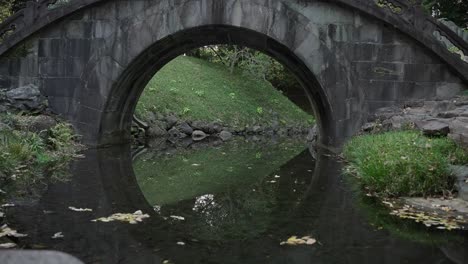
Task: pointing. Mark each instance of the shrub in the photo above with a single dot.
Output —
(403, 163)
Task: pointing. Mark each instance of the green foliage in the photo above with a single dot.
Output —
(250, 62)
(5, 9)
(202, 90)
(403, 163)
(28, 158)
(453, 10)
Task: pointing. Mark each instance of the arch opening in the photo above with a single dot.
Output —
(119, 109)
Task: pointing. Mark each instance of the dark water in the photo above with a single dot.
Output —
(239, 200)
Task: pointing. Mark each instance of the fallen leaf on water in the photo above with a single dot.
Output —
(177, 217)
(57, 235)
(294, 241)
(7, 245)
(134, 218)
(80, 209)
(6, 231)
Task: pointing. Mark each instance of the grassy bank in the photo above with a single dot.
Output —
(403, 163)
(199, 90)
(29, 156)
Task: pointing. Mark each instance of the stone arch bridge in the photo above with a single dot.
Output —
(93, 58)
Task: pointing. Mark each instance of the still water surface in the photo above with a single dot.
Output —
(228, 203)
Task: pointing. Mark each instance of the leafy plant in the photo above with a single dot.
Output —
(260, 110)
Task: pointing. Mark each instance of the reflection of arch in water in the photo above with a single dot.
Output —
(104, 181)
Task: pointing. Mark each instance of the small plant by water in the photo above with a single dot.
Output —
(29, 157)
(403, 163)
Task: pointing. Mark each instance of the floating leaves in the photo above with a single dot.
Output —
(6, 231)
(445, 221)
(180, 218)
(294, 241)
(57, 235)
(134, 218)
(80, 209)
(429, 219)
(7, 245)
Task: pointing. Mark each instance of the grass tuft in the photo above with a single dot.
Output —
(403, 163)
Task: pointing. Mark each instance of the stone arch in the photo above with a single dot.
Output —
(141, 44)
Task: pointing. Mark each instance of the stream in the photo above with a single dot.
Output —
(233, 202)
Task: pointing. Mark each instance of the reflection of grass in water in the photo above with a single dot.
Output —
(190, 173)
(242, 200)
(378, 216)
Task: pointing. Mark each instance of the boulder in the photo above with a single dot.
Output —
(257, 129)
(156, 130)
(435, 128)
(28, 92)
(198, 135)
(26, 98)
(225, 135)
(368, 127)
(171, 120)
(185, 128)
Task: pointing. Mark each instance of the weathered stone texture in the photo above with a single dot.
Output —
(93, 64)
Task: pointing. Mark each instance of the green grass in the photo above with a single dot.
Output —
(27, 158)
(199, 90)
(403, 163)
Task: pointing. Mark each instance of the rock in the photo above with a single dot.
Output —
(216, 128)
(386, 113)
(28, 92)
(36, 256)
(171, 120)
(257, 129)
(282, 132)
(42, 122)
(185, 128)
(225, 135)
(275, 125)
(461, 174)
(156, 130)
(312, 135)
(198, 135)
(435, 128)
(174, 133)
(459, 131)
(26, 98)
(368, 127)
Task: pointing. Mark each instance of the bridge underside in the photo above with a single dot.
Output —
(93, 65)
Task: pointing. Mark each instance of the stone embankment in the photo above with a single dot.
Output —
(174, 128)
